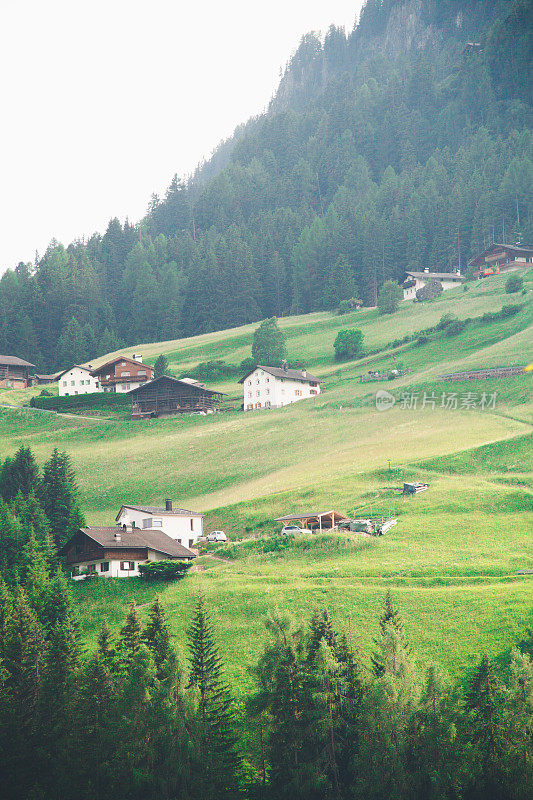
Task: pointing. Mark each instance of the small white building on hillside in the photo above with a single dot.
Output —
(179, 524)
(77, 380)
(274, 387)
(416, 280)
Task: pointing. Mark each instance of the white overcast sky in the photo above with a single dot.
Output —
(103, 101)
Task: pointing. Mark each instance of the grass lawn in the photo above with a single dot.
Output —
(452, 560)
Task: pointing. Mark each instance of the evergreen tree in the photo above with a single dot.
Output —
(268, 346)
(156, 636)
(57, 494)
(390, 616)
(161, 366)
(215, 746)
(19, 474)
(130, 633)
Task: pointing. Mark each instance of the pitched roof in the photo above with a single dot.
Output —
(444, 276)
(279, 372)
(176, 512)
(133, 540)
(514, 248)
(13, 361)
(74, 366)
(103, 367)
(174, 382)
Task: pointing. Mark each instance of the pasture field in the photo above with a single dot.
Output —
(454, 557)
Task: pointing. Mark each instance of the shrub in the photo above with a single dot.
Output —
(164, 570)
(465, 287)
(389, 297)
(348, 344)
(422, 339)
(488, 316)
(268, 346)
(430, 291)
(115, 401)
(455, 328)
(444, 321)
(209, 371)
(524, 291)
(248, 364)
(344, 307)
(513, 284)
(161, 366)
(510, 310)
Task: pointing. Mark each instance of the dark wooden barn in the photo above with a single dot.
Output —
(167, 395)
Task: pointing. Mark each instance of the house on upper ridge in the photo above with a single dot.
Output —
(501, 258)
(113, 552)
(274, 387)
(122, 374)
(15, 373)
(416, 280)
(166, 395)
(77, 380)
(184, 526)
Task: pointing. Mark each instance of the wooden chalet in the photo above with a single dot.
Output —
(501, 258)
(122, 374)
(15, 372)
(166, 395)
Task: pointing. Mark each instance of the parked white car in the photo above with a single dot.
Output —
(291, 530)
(217, 536)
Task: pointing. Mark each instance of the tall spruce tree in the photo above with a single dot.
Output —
(216, 745)
(58, 495)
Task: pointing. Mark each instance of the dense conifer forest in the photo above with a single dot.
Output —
(393, 147)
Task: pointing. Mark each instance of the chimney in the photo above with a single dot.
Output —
(168, 505)
(137, 357)
(284, 366)
(304, 373)
(118, 537)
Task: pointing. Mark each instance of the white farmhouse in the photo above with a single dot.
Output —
(77, 380)
(416, 280)
(179, 524)
(274, 387)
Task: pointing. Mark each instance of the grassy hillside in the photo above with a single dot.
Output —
(452, 560)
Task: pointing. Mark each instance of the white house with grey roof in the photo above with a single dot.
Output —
(180, 524)
(274, 387)
(416, 280)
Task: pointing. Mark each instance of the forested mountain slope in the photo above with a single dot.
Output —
(391, 148)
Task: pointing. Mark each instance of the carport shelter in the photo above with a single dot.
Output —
(325, 520)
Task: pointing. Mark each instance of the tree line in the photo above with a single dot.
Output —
(136, 719)
(363, 167)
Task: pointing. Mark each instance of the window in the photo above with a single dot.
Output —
(297, 393)
(192, 524)
(313, 391)
(127, 566)
(250, 406)
(141, 372)
(157, 523)
(267, 404)
(268, 391)
(128, 386)
(122, 363)
(147, 523)
(76, 392)
(104, 566)
(126, 374)
(258, 405)
(91, 568)
(191, 542)
(249, 394)
(64, 383)
(261, 373)
(75, 571)
(249, 383)
(268, 380)
(73, 383)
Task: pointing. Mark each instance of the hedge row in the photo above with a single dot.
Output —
(104, 400)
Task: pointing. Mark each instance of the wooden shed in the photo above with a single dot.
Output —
(166, 395)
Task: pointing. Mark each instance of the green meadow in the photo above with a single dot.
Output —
(452, 561)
